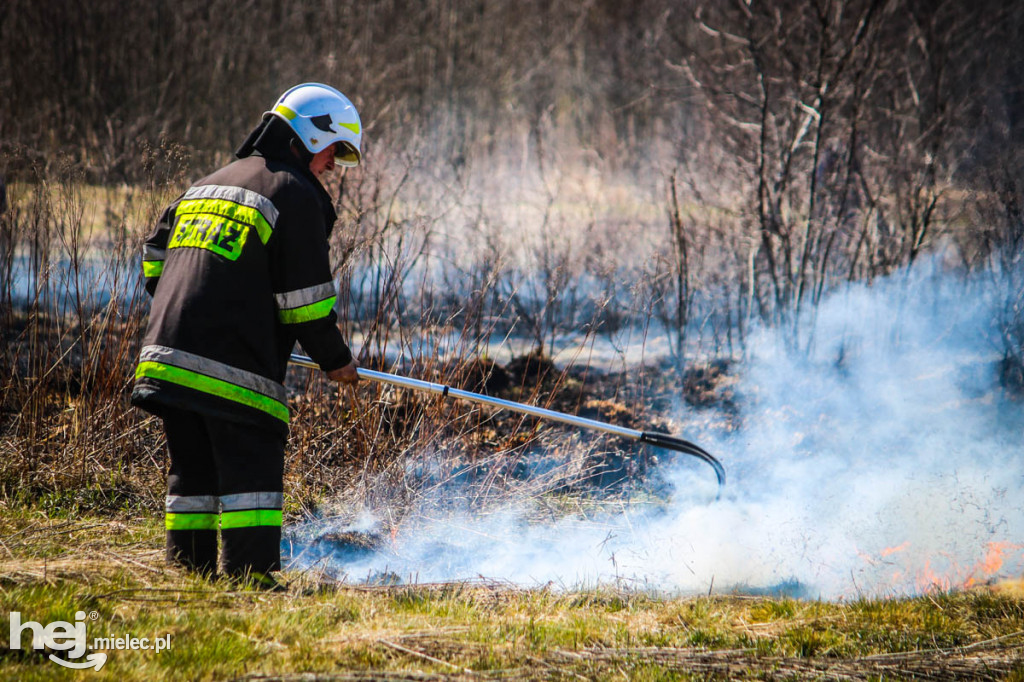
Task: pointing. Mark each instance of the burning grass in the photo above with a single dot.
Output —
(81, 482)
(323, 629)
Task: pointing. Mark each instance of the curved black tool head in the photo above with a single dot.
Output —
(663, 440)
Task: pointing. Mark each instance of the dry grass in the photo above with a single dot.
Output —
(325, 630)
(81, 473)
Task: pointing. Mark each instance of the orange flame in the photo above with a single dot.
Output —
(892, 550)
(930, 581)
(992, 562)
(949, 574)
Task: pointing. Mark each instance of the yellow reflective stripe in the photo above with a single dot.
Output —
(285, 111)
(250, 518)
(247, 215)
(239, 195)
(300, 297)
(313, 311)
(303, 305)
(152, 268)
(212, 368)
(212, 386)
(178, 521)
(354, 127)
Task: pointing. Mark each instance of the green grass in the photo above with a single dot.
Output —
(51, 567)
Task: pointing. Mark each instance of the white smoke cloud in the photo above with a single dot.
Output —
(884, 460)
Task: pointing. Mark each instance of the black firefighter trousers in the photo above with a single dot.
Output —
(223, 475)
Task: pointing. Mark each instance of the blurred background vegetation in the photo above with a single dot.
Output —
(841, 137)
(537, 169)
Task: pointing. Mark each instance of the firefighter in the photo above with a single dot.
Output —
(239, 270)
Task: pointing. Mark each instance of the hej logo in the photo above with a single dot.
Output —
(59, 635)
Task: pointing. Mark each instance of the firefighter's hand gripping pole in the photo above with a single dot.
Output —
(660, 440)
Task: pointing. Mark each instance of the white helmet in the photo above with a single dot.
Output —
(322, 116)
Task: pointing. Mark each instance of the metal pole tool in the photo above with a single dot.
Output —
(661, 440)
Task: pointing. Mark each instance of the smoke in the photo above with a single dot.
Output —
(875, 455)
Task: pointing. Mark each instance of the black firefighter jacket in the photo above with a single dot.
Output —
(239, 269)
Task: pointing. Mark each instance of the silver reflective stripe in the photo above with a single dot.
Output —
(245, 197)
(184, 504)
(153, 253)
(262, 500)
(217, 370)
(307, 296)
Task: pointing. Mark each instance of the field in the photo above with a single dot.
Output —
(790, 232)
(437, 541)
(325, 630)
